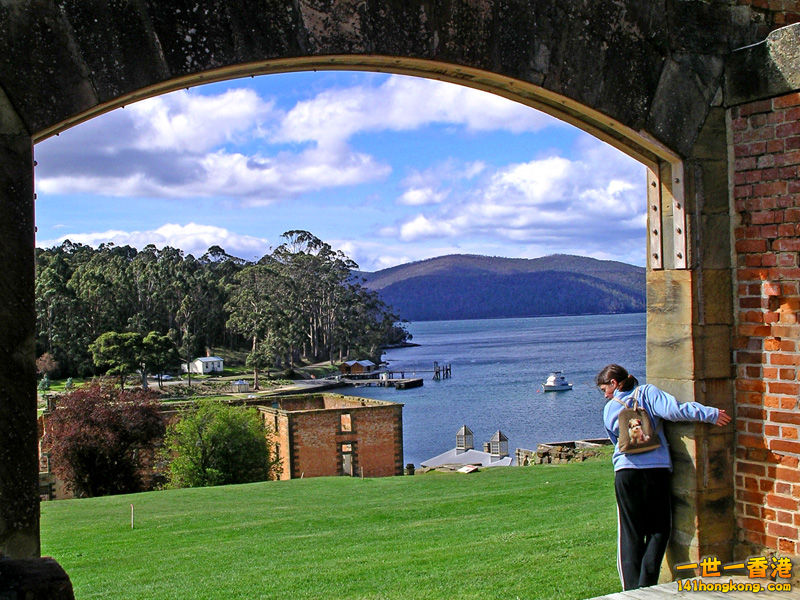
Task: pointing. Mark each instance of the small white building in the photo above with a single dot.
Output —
(204, 365)
(240, 385)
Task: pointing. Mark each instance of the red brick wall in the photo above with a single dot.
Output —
(378, 430)
(777, 13)
(766, 144)
(376, 434)
(278, 422)
(314, 443)
(309, 432)
(302, 402)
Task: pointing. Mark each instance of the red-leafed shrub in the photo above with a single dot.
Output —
(99, 439)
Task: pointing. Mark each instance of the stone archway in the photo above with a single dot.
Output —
(645, 77)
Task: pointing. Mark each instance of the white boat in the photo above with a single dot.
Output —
(556, 382)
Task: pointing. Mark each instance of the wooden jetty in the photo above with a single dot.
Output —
(439, 372)
(398, 379)
(398, 384)
(404, 384)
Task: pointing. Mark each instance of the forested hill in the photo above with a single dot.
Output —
(474, 287)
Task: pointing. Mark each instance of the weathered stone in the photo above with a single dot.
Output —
(689, 80)
(624, 59)
(669, 297)
(769, 68)
(19, 481)
(715, 250)
(669, 351)
(715, 296)
(684, 390)
(703, 460)
(713, 359)
(717, 393)
(34, 579)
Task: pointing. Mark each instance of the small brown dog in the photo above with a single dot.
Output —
(636, 433)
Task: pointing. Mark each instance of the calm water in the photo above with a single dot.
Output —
(498, 366)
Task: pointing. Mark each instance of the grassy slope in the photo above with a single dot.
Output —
(536, 532)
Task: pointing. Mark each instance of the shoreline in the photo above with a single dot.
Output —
(400, 345)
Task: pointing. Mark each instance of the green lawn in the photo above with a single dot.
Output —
(536, 532)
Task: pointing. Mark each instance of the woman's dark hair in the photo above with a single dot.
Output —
(626, 381)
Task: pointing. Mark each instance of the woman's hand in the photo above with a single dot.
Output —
(723, 418)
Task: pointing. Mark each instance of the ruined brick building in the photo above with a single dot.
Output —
(330, 434)
(704, 93)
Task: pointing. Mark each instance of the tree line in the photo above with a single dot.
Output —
(299, 302)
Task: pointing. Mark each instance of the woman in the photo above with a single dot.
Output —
(642, 481)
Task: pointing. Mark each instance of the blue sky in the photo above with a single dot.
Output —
(387, 168)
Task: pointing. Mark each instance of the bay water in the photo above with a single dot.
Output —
(498, 366)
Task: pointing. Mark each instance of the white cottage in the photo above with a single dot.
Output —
(204, 365)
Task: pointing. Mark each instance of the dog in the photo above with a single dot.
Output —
(635, 432)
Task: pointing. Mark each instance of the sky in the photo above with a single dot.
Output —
(388, 169)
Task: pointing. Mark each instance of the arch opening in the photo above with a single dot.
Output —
(654, 172)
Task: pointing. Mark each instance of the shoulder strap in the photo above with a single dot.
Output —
(635, 399)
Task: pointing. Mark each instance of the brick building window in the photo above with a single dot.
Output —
(345, 422)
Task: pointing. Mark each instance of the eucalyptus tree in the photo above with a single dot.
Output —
(60, 313)
(57, 311)
(188, 315)
(104, 291)
(151, 287)
(219, 269)
(318, 275)
(255, 308)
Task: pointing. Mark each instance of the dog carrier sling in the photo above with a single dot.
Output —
(636, 431)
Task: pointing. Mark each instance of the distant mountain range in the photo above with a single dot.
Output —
(460, 286)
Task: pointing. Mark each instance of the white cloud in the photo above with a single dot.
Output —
(435, 184)
(421, 227)
(179, 146)
(191, 122)
(192, 238)
(238, 145)
(420, 196)
(593, 205)
(403, 104)
(187, 144)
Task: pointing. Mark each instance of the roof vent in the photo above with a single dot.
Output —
(464, 439)
(498, 445)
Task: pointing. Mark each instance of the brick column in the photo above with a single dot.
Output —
(19, 465)
(766, 149)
